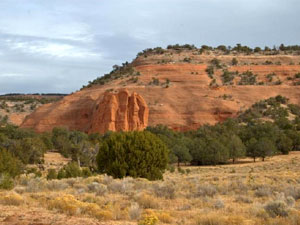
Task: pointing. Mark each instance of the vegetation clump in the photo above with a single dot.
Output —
(135, 154)
(228, 77)
(247, 78)
(125, 70)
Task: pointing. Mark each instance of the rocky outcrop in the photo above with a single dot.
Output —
(183, 99)
(119, 112)
(108, 111)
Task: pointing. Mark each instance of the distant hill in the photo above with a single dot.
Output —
(184, 87)
(14, 107)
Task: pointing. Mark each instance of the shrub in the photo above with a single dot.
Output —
(293, 191)
(216, 62)
(205, 190)
(9, 164)
(290, 201)
(66, 204)
(70, 170)
(171, 168)
(69, 205)
(227, 77)
(86, 172)
(247, 78)
(187, 60)
(36, 185)
(219, 204)
(277, 208)
(11, 199)
(180, 170)
(212, 219)
(61, 174)
(6, 182)
(263, 192)
(155, 81)
(210, 71)
(243, 199)
(147, 201)
(297, 75)
(134, 211)
(164, 217)
(234, 61)
(52, 174)
(267, 62)
(57, 185)
(165, 190)
(149, 220)
(135, 154)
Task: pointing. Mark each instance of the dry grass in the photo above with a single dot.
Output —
(247, 193)
(11, 198)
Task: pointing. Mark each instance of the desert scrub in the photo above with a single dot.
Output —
(57, 185)
(165, 190)
(36, 185)
(11, 198)
(6, 182)
(98, 189)
(263, 192)
(213, 219)
(277, 208)
(121, 185)
(243, 199)
(69, 205)
(217, 219)
(205, 190)
(150, 219)
(219, 204)
(164, 217)
(147, 201)
(134, 211)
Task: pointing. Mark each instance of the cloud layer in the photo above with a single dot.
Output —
(59, 45)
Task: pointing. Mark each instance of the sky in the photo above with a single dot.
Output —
(59, 45)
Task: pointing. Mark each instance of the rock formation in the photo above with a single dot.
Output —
(119, 112)
(182, 98)
(110, 111)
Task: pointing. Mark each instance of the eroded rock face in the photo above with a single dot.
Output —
(119, 112)
(186, 103)
(111, 111)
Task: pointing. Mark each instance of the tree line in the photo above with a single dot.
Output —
(148, 153)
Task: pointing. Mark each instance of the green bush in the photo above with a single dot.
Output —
(52, 174)
(234, 62)
(227, 77)
(85, 172)
(216, 62)
(247, 78)
(135, 154)
(71, 170)
(210, 71)
(297, 75)
(6, 181)
(9, 164)
(61, 174)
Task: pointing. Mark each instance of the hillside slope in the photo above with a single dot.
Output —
(15, 107)
(183, 89)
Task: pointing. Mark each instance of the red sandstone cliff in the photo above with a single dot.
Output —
(119, 112)
(187, 102)
(108, 111)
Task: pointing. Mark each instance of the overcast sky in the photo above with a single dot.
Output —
(59, 45)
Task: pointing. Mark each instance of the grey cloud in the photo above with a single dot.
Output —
(59, 45)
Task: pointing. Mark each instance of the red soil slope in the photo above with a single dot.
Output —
(183, 99)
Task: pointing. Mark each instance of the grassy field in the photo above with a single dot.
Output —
(246, 193)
